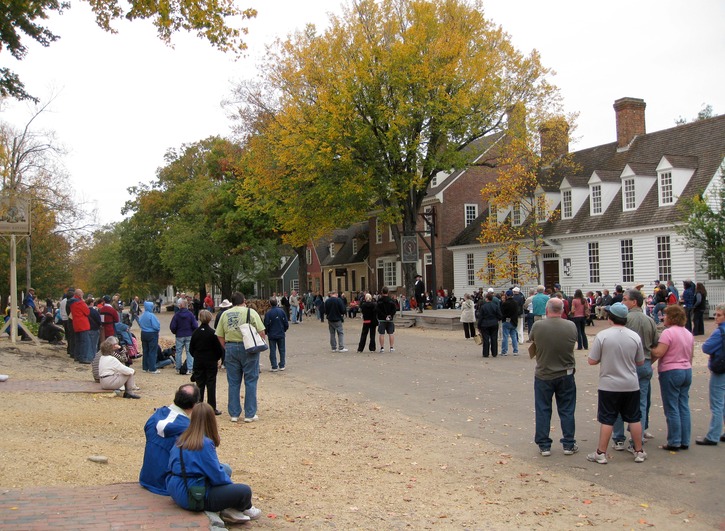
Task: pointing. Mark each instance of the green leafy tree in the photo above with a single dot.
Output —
(704, 226)
(389, 96)
(194, 233)
(208, 18)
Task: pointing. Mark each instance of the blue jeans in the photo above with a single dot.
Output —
(337, 335)
(656, 310)
(294, 311)
(564, 389)
(240, 365)
(581, 334)
(644, 373)
(717, 406)
(675, 387)
(509, 329)
(85, 351)
(275, 344)
(149, 346)
(182, 342)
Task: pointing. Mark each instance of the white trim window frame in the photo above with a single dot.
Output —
(332, 250)
(470, 213)
(541, 210)
(378, 231)
(566, 205)
(664, 257)
(664, 188)
(627, 256)
(470, 270)
(516, 214)
(596, 199)
(354, 246)
(629, 197)
(593, 253)
(390, 273)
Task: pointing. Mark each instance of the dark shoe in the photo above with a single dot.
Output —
(722, 438)
(126, 394)
(704, 441)
(217, 412)
(671, 448)
(683, 447)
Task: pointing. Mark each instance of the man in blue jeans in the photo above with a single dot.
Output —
(239, 364)
(554, 339)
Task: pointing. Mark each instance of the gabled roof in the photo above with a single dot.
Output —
(698, 146)
(344, 254)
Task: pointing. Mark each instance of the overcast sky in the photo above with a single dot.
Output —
(123, 100)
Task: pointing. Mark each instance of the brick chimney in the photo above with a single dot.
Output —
(630, 120)
(554, 138)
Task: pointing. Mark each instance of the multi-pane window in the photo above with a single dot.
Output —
(470, 270)
(516, 214)
(594, 262)
(493, 213)
(629, 197)
(391, 236)
(390, 273)
(597, 199)
(664, 257)
(426, 225)
(354, 246)
(541, 213)
(514, 260)
(566, 208)
(666, 197)
(627, 260)
(378, 231)
(294, 285)
(471, 213)
(490, 270)
(308, 255)
(332, 250)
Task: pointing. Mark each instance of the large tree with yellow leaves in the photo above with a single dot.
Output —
(365, 114)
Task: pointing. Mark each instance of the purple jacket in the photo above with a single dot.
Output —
(183, 323)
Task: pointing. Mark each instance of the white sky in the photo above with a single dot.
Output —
(123, 100)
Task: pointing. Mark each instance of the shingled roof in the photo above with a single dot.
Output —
(699, 146)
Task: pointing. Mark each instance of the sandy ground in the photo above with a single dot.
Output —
(315, 459)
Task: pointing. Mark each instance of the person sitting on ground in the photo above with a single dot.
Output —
(49, 331)
(114, 374)
(21, 333)
(112, 346)
(162, 430)
(193, 462)
(206, 351)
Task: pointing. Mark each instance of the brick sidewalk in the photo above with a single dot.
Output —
(118, 506)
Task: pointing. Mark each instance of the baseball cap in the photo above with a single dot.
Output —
(618, 309)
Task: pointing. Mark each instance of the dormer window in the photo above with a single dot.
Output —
(378, 231)
(665, 188)
(596, 199)
(516, 214)
(434, 182)
(628, 195)
(391, 237)
(332, 250)
(308, 255)
(566, 206)
(354, 246)
(541, 212)
(493, 213)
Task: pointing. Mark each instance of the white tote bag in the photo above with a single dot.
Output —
(253, 342)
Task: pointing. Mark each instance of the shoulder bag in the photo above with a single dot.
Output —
(253, 342)
(197, 494)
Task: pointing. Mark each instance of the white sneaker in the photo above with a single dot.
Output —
(639, 457)
(648, 435)
(342, 350)
(253, 513)
(545, 452)
(619, 446)
(234, 516)
(4, 377)
(252, 419)
(382, 349)
(273, 370)
(392, 349)
(234, 419)
(281, 368)
(596, 457)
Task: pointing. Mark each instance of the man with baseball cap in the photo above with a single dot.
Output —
(618, 351)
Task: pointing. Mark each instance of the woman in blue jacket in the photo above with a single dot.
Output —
(198, 445)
